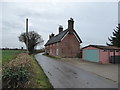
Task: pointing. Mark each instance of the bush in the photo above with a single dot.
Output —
(15, 77)
(79, 55)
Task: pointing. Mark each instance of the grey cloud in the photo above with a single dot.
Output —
(92, 20)
(25, 13)
(119, 12)
(10, 24)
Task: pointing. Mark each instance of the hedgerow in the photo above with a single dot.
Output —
(15, 77)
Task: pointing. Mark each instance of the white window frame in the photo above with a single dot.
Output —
(76, 37)
(50, 51)
(56, 51)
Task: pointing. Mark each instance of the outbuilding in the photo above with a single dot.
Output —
(101, 54)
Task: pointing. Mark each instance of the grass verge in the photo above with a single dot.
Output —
(40, 78)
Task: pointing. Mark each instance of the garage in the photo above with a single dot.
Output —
(101, 54)
(91, 55)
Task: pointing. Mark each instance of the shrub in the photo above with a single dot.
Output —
(79, 55)
(15, 77)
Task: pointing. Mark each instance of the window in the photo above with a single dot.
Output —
(62, 51)
(56, 51)
(111, 50)
(50, 51)
(104, 50)
(117, 50)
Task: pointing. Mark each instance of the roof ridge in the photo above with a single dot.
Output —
(57, 37)
(60, 33)
(104, 47)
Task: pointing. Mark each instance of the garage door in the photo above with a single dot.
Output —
(91, 55)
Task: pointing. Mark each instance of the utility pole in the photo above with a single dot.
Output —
(27, 44)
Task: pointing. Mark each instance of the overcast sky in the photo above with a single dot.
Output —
(94, 21)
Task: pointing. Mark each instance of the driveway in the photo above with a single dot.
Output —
(64, 75)
(109, 71)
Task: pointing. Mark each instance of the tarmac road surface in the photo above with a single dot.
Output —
(64, 75)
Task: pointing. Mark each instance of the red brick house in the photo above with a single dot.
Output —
(64, 44)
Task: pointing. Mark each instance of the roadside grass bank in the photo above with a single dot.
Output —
(41, 79)
(5, 57)
(23, 71)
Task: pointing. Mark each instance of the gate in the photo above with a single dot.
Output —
(115, 59)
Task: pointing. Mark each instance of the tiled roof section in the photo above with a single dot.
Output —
(56, 38)
(103, 47)
(59, 36)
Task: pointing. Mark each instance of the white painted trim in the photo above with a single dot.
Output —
(56, 51)
(50, 51)
(65, 36)
(76, 36)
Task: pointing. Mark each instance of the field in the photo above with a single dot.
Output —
(8, 55)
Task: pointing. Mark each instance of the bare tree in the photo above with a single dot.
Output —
(34, 39)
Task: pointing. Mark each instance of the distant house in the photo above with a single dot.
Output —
(101, 54)
(64, 44)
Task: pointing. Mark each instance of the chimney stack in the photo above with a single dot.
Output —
(71, 25)
(50, 36)
(60, 28)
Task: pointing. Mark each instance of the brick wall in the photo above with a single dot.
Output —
(69, 46)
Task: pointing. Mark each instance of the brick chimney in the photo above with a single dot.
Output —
(50, 36)
(71, 25)
(60, 28)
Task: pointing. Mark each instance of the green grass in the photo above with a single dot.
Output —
(8, 55)
(0, 57)
(40, 76)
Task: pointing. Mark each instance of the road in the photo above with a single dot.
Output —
(64, 75)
